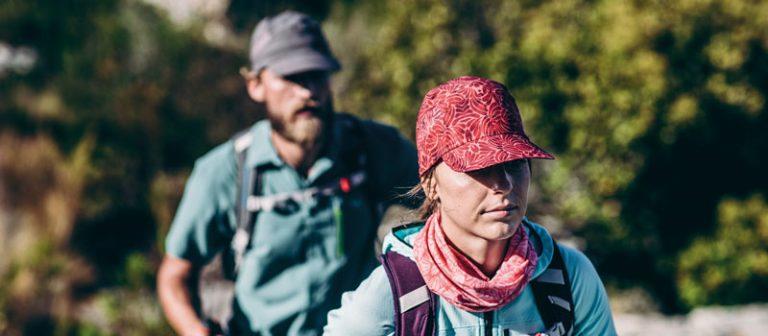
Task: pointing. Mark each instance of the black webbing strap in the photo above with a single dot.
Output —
(552, 291)
(356, 156)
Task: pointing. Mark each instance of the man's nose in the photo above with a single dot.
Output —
(303, 90)
(308, 90)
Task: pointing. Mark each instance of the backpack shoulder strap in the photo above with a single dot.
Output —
(248, 184)
(241, 142)
(354, 128)
(552, 291)
(414, 303)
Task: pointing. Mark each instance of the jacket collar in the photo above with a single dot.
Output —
(401, 239)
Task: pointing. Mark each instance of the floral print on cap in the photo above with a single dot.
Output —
(471, 123)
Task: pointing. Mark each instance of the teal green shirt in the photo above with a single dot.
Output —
(294, 273)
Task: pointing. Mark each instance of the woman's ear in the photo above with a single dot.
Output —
(429, 185)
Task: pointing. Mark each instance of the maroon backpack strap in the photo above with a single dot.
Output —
(414, 302)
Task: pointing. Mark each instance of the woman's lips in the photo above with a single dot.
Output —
(500, 212)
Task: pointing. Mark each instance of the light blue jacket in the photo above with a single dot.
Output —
(369, 309)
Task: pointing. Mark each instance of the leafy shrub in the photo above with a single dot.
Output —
(732, 266)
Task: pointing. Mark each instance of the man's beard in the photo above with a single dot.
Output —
(307, 132)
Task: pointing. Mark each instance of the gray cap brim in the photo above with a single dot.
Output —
(303, 60)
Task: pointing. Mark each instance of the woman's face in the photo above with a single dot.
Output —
(488, 203)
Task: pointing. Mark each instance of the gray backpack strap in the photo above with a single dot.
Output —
(241, 142)
(248, 184)
(216, 284)
(552, 291)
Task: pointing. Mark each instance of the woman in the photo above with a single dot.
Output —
(477, 266)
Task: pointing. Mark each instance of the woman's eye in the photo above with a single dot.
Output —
(514, 166)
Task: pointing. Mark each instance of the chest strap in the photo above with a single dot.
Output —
(269, 202)
(250, 202)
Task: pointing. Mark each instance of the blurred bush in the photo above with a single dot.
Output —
(95, 138)
(40, 192)
(656, 111)
(731, 266)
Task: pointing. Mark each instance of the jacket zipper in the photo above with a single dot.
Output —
(488, 318)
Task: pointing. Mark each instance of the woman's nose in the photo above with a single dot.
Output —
(501, 180)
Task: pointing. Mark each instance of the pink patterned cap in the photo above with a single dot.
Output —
(471, 123)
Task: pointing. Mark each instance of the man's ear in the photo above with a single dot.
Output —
(255, 87)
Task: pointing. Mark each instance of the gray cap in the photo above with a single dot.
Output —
(290, 43)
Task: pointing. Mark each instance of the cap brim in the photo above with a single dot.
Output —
(303, 60)
(492, 150)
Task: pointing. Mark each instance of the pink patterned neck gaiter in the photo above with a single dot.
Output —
(456, 278)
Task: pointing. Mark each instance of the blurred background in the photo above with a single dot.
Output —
(656, 111)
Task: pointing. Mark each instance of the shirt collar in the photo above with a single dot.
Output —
(263, 152)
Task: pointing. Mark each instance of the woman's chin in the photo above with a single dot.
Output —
(501, 230)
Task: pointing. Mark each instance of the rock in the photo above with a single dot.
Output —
(707, 321)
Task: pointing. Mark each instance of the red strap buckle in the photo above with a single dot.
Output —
(344, 185)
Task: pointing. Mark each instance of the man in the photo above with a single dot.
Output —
(320, 180)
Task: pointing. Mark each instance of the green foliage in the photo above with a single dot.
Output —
(139, 272)
(120, 312)
(113, 102)
(642, 103)
(39, 286)
(87, 330)
(732, 266)
(656, 111)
